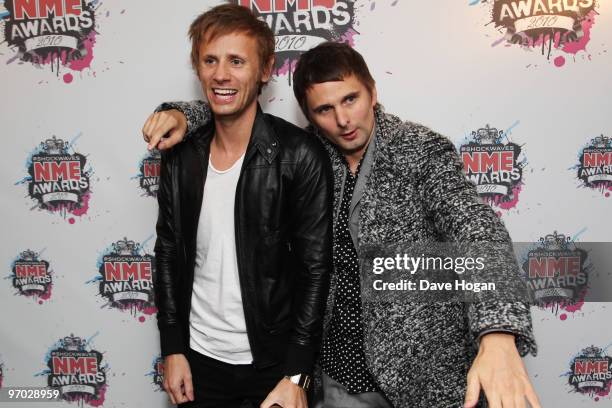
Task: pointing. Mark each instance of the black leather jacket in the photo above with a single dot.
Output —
(283, 230)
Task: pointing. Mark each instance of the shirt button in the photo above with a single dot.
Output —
(269, 150)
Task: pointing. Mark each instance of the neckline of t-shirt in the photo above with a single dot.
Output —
(239, 160)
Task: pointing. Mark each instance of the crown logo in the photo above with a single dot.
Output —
(592, 351)
(125, 247)
(555, 241)
(54, 146)
(487, 135)
(28, 255)
(601, 141)
(154, 154)
(73, 343)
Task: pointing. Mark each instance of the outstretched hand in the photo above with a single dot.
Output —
(500, 372)
(164, 129)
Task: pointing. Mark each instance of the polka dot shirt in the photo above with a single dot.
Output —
(343, 356)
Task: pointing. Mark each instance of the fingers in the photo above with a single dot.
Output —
(472, 392)
(161, 124)
(519, 401)
(158, 125)
(189, 387)
(178, 381)
(532, 396)
(168, 390)
(146, 128)
(176, 391)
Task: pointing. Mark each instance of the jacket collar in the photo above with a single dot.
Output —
(263, 137)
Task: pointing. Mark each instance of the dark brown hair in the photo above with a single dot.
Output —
(230, 18)
(328, 61)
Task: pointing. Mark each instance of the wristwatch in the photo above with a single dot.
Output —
(302, 380)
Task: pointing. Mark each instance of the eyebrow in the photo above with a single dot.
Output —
(344, 99)
(231, 56)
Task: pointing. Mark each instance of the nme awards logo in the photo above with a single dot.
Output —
(149, 173)
(58, 178)
(125, 278)
(591, 372)
(561, 24)
(50, 32)
(157, 373)
(595, 168)
(32, 276)
(77, 371)
(300, 25)
(493, 167)
(557, 273)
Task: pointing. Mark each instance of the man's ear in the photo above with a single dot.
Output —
(267, 70)
(374, 96)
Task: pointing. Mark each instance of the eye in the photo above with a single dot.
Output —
(236, 61)
(351, 98)
(323, 110)
(208, 61)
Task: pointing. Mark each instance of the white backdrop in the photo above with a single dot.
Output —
(435, 62)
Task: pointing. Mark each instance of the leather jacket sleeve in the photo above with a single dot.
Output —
(167, 261)
(312, 239)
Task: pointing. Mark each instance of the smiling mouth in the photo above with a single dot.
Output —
(224, 92)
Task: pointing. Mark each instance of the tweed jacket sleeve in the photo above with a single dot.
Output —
(197, 113)
(451, 200)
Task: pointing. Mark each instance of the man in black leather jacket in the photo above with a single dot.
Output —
(264, 279)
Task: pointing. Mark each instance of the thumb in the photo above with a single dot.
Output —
(176, 135)
(472, 392)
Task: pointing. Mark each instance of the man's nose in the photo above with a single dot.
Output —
(221, 73)
(342, 118)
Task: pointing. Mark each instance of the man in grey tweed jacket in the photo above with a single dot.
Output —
(394, 181)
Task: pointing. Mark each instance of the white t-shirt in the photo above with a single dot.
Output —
(216, 323)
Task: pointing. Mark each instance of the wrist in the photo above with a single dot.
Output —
(497, 339)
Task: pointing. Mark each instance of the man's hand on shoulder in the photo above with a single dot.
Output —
(287, 395)
(500, 372)
(171, 123)
(177, 379)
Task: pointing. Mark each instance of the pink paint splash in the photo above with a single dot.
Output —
(70, 58)
(71, 220)
(46, 295)
(580, 44)
(149, 310)
(574, 307)
(348, 37)
(287, 67)
(96, 402)
(563, 317)
(81, 64)
(604, 392)
(559, 61)
(83, 209)
(134, 308)
(39, 297)
(505, 203)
